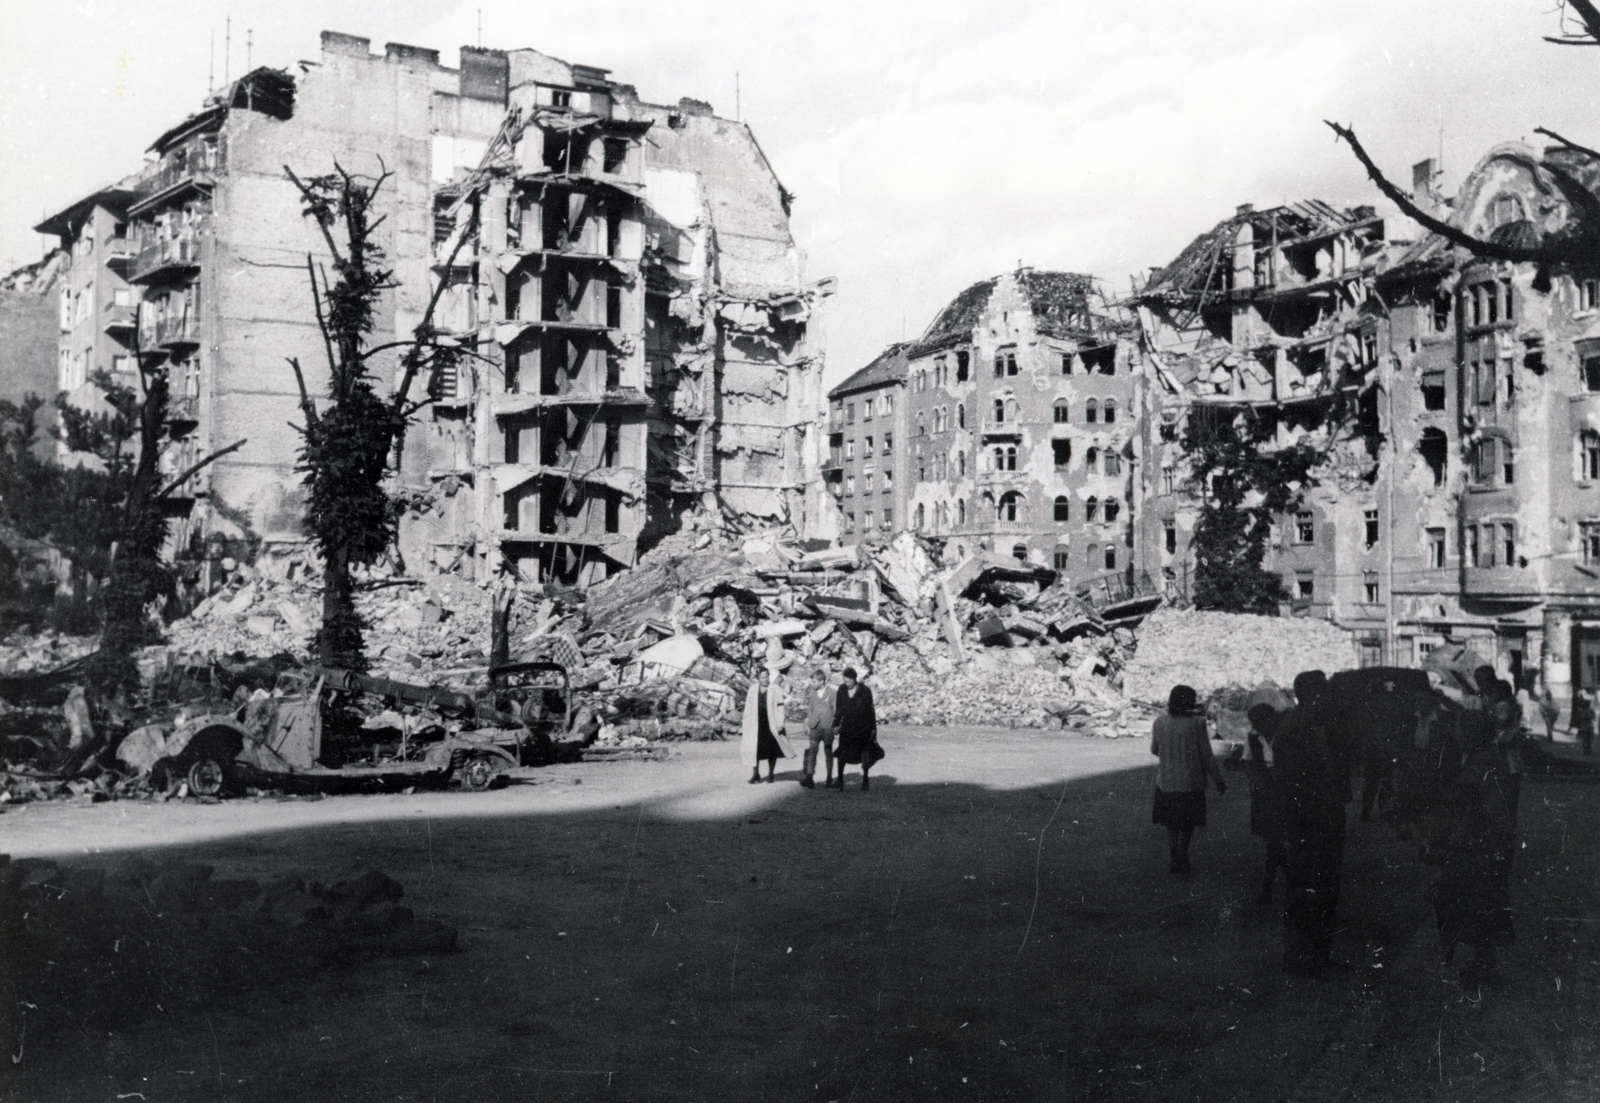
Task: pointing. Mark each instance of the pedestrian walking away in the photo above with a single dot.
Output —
(1264, 822)
(1313, 785)
(763, 737)
(1583, 720)
(819, 723)
(1180, 741)
(858, 728)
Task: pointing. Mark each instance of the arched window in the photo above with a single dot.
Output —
(999, 411)
(1111, 463)
(922, 427)
(999, 458)
(961, 416)
(920, 517)
(1062, 411)
(1019, 552)
(1091, 509)
(1011, 506)
(1111, 411)
(1112, 507)
(1091, 411)
(938, 419)
(961, 465)
(944, 516)
(1091, 460)
(1011, 457)
(999, 365)
(1063, 508)
(1061, 557)
(1091, 556)
(1111, 557)
(961, 511)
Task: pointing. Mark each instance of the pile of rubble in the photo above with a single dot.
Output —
(1213, 651)
(663, 651)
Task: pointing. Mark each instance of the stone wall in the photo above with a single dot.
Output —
(1212, 650)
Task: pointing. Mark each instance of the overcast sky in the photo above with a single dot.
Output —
(930, 145)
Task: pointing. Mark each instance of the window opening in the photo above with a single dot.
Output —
(1062, 412)
(1091, 411)
(1063, 508)
(1062, 450)
(1371, 518)
(1091, 509)
(1436, 548)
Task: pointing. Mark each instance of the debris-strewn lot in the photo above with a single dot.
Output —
(992, 921)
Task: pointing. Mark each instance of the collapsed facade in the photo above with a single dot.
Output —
(1457, 502)
(641, 330)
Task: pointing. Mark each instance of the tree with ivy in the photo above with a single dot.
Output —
(351, 442)
(1243, 482)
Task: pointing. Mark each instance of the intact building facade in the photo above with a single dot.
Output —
(865, 468)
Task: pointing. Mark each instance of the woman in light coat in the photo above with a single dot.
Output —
(763, 736)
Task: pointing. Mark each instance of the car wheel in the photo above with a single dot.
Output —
(477, 772)
(206, 778)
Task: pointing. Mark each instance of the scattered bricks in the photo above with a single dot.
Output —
(261, 624)
(1211, 651)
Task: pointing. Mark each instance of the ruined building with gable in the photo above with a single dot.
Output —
(623, 271)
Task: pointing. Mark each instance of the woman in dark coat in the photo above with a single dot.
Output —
(858, 728)
(1180, 741)
(1264, 819)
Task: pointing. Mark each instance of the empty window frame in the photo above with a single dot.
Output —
(1169, 536)
(1588, 456)
(1062, 557)
(1589, 541)
(1011, 507)
(1305, 527)
(1110, 411)
(919, 518)
(1369, 587)
(1091, 412)
(1589, 368)
(1091, 509)
(1370, 518)
(1112, 507)
(961, 416)
(962, 360)
(1111, 557)
(1019, 552)
(1062, 412)
(1063, 508)
(999, 411)
(1436, 547)
(1110, 463)
(1062, 453)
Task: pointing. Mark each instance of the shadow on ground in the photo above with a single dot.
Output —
(919, 942)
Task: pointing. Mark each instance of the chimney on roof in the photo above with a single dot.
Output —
(1244, 209)
(1423, 175)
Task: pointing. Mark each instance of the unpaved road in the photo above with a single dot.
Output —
(993, 921)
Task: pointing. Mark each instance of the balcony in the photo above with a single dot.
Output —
(164, 260)
(177, 331)
(120, 254)
(183, 412)
(121, 322)
(1001, 430)
(1506, 583)
(184, 170)
(1115, 595)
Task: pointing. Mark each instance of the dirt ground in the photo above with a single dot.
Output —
(993, 921)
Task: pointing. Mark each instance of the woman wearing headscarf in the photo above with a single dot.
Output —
(762, 737)
(1180, 741)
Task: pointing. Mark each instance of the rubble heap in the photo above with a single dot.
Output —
(1214, 651)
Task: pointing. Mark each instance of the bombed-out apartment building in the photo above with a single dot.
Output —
(867, 449)
(623, 273)
(1456, 400)
(1014, 426)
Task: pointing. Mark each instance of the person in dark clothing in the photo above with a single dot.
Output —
(1583, 720)
(858, 728)
(1474, 842)
(1313, 786)
(1264, 809)
(1180, 740)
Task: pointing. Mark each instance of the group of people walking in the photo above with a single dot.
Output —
(821, 713)
(1464, 791)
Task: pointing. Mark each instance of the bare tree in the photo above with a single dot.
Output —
(351, 443)
(1577, 244)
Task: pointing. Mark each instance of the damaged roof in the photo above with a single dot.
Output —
(889, 367)
(1195, 270)
(1061, 303)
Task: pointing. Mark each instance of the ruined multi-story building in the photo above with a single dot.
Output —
(865, 469)
(1270, 315)
(636, 310)
(1019, 412)
(1461, 483)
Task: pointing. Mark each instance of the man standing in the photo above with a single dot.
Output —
(819, 723)
(858, 727)
(1313, 785)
